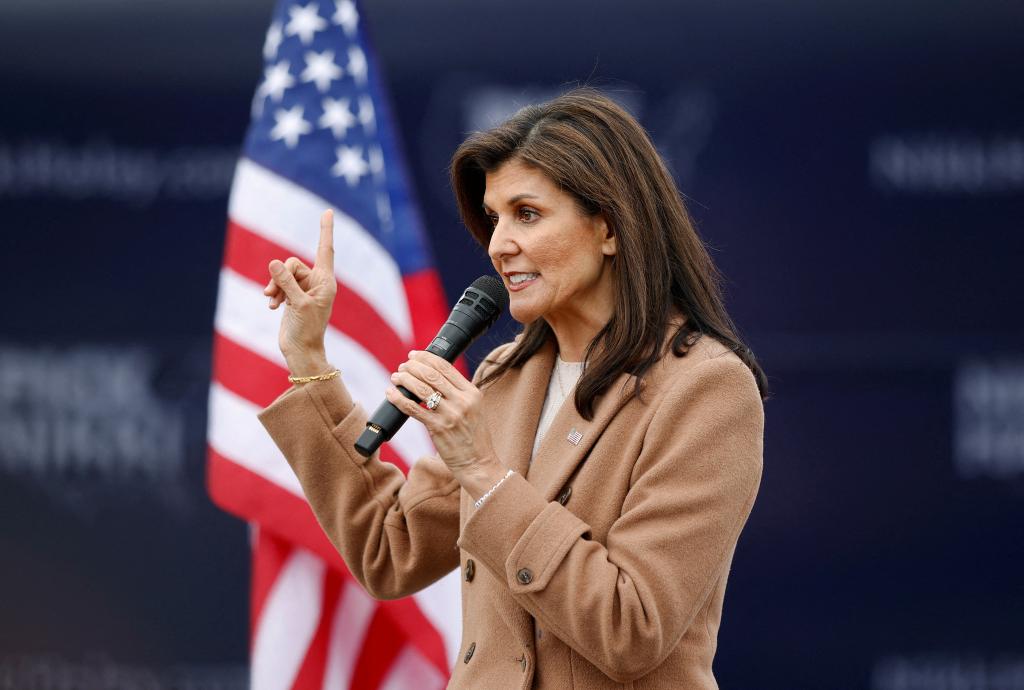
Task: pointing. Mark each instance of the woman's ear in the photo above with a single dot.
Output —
(608, 244)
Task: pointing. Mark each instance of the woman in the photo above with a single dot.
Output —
(595, 536)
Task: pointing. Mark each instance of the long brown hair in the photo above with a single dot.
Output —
(598, 153)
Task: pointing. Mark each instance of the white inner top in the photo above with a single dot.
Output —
(563, 381)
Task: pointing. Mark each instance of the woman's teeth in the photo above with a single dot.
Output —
(517, 278)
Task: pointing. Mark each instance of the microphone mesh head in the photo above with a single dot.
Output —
(493, 288)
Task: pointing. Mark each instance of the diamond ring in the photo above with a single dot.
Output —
(433, 401)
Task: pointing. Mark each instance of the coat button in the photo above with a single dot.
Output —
(470, 570)
(563, 497)
(524, 576)
(469, 653)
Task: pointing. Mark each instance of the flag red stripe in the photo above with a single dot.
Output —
(428, 308)
(245, 373)
(381, 647)
(248, 254)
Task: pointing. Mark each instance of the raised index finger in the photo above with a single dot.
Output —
(325, 250)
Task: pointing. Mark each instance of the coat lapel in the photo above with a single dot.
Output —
(515, 406)
(570, 438)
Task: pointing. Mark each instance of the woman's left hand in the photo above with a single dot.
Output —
(456, 426)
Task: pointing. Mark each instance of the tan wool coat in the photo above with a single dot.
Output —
(602, 564)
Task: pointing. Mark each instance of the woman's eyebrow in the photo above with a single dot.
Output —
(514, 200)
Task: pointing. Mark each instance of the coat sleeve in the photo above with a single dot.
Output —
(625, 605)
(396, 534)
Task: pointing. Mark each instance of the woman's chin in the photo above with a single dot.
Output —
(523, 313)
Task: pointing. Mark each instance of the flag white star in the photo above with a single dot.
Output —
(275, 35)
(367, 116)
(357, 64)
(337, 116)
(350, 164)
(304, 22)
(346, 16)
(290, 126)
(276, 80)
(321, 70)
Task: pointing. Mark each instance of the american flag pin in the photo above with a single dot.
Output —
(574, 437)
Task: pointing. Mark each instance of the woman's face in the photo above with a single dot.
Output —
(554, 259)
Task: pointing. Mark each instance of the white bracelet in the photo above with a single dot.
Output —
(480, 501)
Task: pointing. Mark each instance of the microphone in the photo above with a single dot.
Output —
(474, 313)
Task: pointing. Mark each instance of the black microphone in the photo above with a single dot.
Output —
(474, 313)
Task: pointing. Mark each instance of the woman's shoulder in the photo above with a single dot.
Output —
(707, 357)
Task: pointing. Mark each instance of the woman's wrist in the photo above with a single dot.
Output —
(478, 478)
(307, 364)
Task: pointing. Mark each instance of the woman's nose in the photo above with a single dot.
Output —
(501, 245)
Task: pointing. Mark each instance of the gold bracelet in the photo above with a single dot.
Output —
(319, 377)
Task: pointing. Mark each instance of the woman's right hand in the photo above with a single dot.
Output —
(308, 295)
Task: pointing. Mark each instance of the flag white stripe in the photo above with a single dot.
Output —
(441, 603)
(236, 434)
(243, 316)
(289, 215)
(348, 630)
(288, 622)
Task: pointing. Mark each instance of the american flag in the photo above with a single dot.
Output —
(321, 137)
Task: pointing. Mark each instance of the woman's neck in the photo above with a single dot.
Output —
(574, 335)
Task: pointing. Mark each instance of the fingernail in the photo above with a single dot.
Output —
(394, 377)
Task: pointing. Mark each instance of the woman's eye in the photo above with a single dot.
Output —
(493, 219)
(527, 215)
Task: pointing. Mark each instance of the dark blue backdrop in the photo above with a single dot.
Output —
(858, 170)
